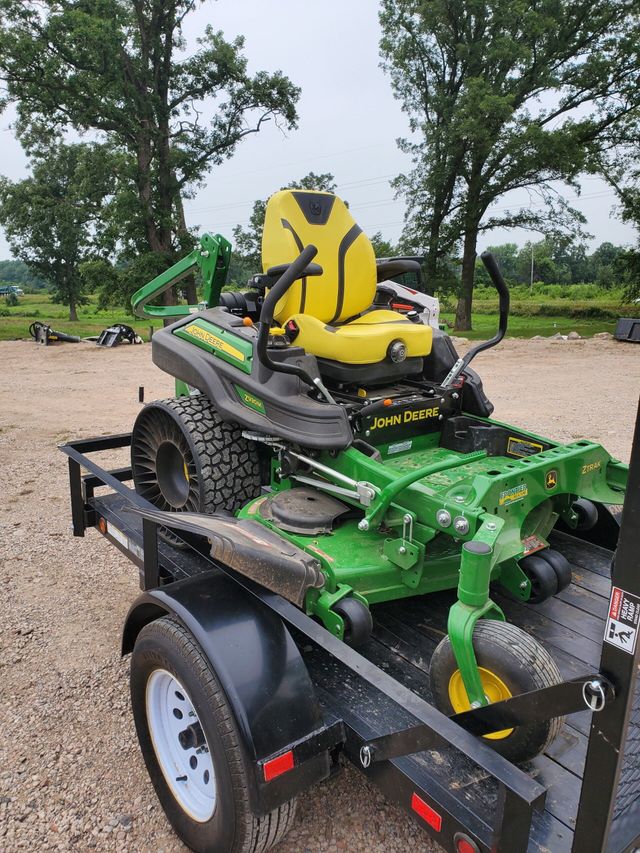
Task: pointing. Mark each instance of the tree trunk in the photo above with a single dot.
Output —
(73, 311)
(463, 311)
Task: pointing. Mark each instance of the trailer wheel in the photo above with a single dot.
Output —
(184, 457)
(511, 662)
(192, 748)
(543, 577)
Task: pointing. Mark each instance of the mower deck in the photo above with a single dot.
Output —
(406, 633)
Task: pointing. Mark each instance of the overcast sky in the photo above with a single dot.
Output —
(348, 122)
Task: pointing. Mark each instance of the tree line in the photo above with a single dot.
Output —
(500, 95)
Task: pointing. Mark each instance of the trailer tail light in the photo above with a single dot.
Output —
(464, 844)
(102, 525)
(277, 766)
(426, 812)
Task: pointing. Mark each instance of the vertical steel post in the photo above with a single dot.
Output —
(619, 663)
(77, 499)
(151, 568)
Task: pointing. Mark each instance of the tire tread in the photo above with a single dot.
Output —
(230, 466)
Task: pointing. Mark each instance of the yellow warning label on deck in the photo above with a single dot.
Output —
(522, 446)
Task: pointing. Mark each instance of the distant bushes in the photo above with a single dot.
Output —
(578, 301)
(554, 309)
(579, 292)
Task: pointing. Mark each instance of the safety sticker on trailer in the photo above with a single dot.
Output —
(117, 534)
(624, 620)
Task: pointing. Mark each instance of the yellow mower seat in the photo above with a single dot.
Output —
(332, 311)
(365, 340)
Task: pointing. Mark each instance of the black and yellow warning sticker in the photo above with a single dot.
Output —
(522, 446)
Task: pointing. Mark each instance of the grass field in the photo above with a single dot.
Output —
(525, 320)
(485, 325)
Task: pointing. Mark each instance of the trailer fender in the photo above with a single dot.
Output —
(261, 671)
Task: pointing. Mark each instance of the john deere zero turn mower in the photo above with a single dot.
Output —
(341, 454)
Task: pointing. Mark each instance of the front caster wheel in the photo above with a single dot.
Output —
(510, 662)
(543, 578)
(192, 748)
(358, 622)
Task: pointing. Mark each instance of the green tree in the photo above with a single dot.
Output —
(17, 272)
(502, 95)
(605, 267)
(619, 164)
(383, 248)
(52, 219)
(120, 68)
(248, 240)
(507, 256)
(556, 260)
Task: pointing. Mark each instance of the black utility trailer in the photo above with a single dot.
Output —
(301, 698)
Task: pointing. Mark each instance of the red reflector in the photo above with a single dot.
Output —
(401, 306)
(426, 812)
(278, 766)
(464, 844)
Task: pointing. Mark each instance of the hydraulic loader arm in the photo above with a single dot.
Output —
(211, 257)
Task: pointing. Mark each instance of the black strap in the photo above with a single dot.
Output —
(298, 241)
(345, 243)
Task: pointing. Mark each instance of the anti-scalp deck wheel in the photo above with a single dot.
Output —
(560, 565)
(191, 746)
(358, 622)
(587, 513)
(543, 577)
(185, 458)
(511, 662)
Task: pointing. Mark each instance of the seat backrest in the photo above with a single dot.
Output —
(347, 286)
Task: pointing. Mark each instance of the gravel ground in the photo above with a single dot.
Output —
(71, 777)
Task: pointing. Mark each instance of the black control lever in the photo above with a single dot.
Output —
(301, 267)
(491, 266)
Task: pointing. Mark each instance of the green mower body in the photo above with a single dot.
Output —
(384, 485)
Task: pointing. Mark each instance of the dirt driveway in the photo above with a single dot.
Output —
(71, 777)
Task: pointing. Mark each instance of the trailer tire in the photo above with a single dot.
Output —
(167, 662)
(511, 662)
(184, 457)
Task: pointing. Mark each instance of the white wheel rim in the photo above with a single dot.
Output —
(189, 772)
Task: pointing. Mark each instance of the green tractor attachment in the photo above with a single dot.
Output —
(338, 451)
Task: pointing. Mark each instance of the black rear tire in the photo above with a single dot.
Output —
(521, 664)
(185, 458)
(165, 646)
